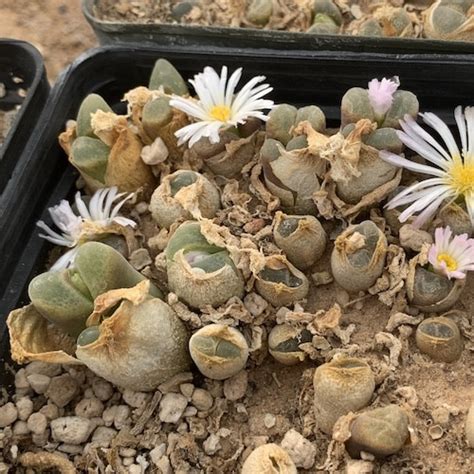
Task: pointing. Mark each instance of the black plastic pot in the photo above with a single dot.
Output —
(110, 32)
(21, 69)
(440, 82)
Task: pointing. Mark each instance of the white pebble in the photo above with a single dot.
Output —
(164, 465)
(127, 461)
(190, 411)
(172, 407)
(202, 399)
(25, 408)
(37, 423)
(103, 390)
(136, 399)
(39, 383)
(122, 416)
(157, 453)
(301, 451)
(103, 436)
(127, 452)
(187, 390)
(21, 382)
(269, 420)
(211, 445)
(236, 386)
(89, 408)
(8, 414)
(71, 429)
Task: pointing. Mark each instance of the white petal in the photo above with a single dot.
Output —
(64, 261)
(435, 122)
(231, 85)
(402, 162)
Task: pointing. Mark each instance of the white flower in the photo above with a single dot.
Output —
(100, 213)
(218, 107)
(452, 258)
(453, 171)
(381, 94)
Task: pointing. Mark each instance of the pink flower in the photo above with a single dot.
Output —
(452, 258)
(381, 94)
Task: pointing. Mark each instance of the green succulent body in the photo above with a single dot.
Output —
(66, 298)
(165, 75)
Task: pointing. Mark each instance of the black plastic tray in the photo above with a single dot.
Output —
(440, 82)
(111, 32)
(19, 59)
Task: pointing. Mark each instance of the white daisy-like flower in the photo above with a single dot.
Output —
(452, 170)
(381, 94)
(99, 213)
(452, 258)
(217, 106)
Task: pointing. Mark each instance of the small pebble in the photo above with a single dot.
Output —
(122, 416)
(103, 436)
(127, 452)
(38, 382)
(103, 390)
(8, 414)
(157, 453)
(211, 445)
(164, 465)
(236, 386)
(43, 368)
(51, 411)
(37, 423)
(89, 408)
(136, 399)
(25, 408)
(187, 390)
(20, 428)
(141, 207)
(172, 407)
(301, 451)
(269, 420)
(40, 439)
(202, 399)
(127, 461)
(70, 448)
(62, 390)
(190, 411)
(71, 429)
(21, 382)
(435, 432)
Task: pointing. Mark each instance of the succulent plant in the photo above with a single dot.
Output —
(183, 195)
(284, 341)
(342, 385)
(165, 75)
(381, 103)
(439, 338)
(140, 345)
(269, 458)
(381, 432)
(327, 18)
(449, 20)
(358, 257)
(260, 11)
(430, 291)
(91, 104)
(280, 283)
(66, 298)
(200, 273)
(302, 239)
(219, 351)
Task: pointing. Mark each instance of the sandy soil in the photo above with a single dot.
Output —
(56, 27)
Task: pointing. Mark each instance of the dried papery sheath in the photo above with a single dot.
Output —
(451, 169)
(98, 217)
(218, 106)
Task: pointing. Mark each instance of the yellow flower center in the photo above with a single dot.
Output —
(221, 113)
(462, 176)
(451, 264)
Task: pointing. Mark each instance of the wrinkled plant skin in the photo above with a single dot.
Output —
(141, 345)
(284, 341)
(440, 339)
(182, 194)
(198, 272)
(431, 292)
(280, 283)
(381, 432)
(302, 239)
(66, 297)
(343, 385)
(357, 262)
(219, 351)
